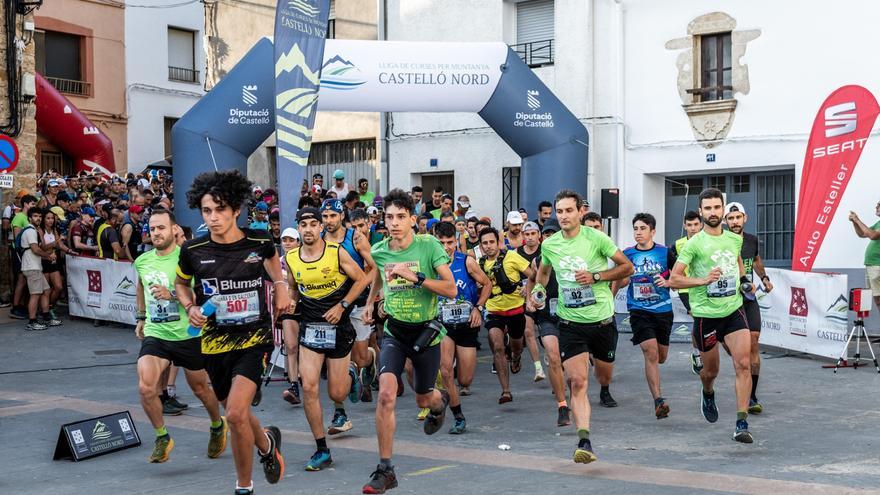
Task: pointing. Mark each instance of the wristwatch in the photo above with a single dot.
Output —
(345, 304)
(597, 277)
(421, 279)
(480, 308)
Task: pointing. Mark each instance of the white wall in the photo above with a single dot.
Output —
(150, 95)
(803, 53)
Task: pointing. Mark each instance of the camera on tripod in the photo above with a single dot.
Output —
(860, 301)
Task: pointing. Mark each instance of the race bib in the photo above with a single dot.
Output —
(162, 311)
(320, 336)
(578, 297)
(723, 287)
(237, 309)
(455, 313)
(396, 284)
(644, 291)
(553, 304)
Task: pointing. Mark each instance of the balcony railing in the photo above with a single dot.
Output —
(183, 74)
(535, 53)
(71, 86)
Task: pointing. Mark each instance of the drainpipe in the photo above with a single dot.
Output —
(384, 117)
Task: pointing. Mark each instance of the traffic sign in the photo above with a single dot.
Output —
(8, 154)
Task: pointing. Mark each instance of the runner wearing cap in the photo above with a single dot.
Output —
(261, 221)
(736, 218)
(339, 187)
(531, 250)
(462, 205)
(289, 326)
(513, 238)
(363, 358)
(716, 273)
(325, 281)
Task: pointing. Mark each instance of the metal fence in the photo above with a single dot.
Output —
(70, 86)
(183, 74)
(357, 159)
(535, 53)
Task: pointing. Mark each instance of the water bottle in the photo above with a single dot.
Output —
(746, 288)
(207, 309)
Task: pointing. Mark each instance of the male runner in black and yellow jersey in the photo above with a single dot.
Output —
(325, 281)
(228, 266)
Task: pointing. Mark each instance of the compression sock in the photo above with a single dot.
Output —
(456, 411)
(216, 424)
(322, 443)
(161, 431)
(754, 386)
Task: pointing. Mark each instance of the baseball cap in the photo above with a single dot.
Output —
(372, 210)
(317, 189)
(290, 232)
(530, 226)
(262, 206)
(514, 218)
(308, 213)
(332, 205)
(734, 206)
(464, 201)
(143, 183)
(378, 201)
(53, 183)
(58, 213)
(338, 174)
(87, 211)
(257, 189)
(550, 225)
(136, 209)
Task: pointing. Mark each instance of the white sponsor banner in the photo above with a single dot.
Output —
(805, 312)
(400, 76)
(102, 289)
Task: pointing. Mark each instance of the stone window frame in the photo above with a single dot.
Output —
(697, 92)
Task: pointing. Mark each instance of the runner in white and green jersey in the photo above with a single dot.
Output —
(162, 326)
(579, 258)
(715, 272)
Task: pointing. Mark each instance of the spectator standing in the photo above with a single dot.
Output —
(52, 242)
(364, 192)
(131, 233)
(32, 270)
(340, 187)
(872, 252)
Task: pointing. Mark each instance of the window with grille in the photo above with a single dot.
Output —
(741, 183)
(683, 186)
(535, 32)
(59, 59)
(509, 190)
(182, 55)
(775, 201)
(718, 182)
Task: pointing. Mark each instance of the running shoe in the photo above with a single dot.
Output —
(423, 413)
(176, 403)
(35, 326)
(217, 442)
(564, 418)
(741, 433)
(291, 395)
(584, 453)
(464, 391)
(320, 459)
(755, 407)
(381, 480)
(368, 374)
(661, 409)
(339, 424)
(162, 449)
(434, 419)
(243, 491)
(494, 371)
(18, 314)
(5, 304)
(52, 314)
(606, 400)
(696, 363)
(168, 409)
(273, 463)
(515, 363)
(354, 393)
(708, 407)
(505, 398)
(459, 427)
(539, 374)
(51, 322)
(258, 397)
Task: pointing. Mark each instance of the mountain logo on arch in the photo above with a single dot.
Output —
(341, 74)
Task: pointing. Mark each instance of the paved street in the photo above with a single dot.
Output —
(818, 434)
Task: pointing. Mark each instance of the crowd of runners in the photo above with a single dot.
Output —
(372, 296)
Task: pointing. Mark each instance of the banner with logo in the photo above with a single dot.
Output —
(300, 31)
(839, 134)
(102, 289)
(805, 312)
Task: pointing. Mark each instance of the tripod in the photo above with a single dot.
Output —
(858, 330)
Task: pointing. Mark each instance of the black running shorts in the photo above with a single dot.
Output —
(344, 341)
(185, 354)
(710, 331)
(647, 326)
(753, 314)
(397, 347)
(223, 367)
(598, 339)
(463, 334)
(514, 325)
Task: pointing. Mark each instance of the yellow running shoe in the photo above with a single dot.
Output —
(217, 443)
(162, 449)
(423, 413)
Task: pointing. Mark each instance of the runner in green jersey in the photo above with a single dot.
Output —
(715, 271)
(162, 326)
(412, 270)
(579, 258)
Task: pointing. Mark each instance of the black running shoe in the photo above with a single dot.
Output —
(168, 409)
(708, 407)
(258, 397)
(606, 400)
(434, 420)
(176, 403)
(381, 480)
(291, 395)
(564, 418)
(273, 463)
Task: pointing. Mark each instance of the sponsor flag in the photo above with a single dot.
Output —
(300, 32)
(839, 134)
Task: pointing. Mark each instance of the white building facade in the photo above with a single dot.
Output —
(164, 68)
(676, 96)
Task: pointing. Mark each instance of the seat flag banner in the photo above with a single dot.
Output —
(300, 31)
(839, 134)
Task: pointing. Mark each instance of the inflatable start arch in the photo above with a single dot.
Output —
(237, 115)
